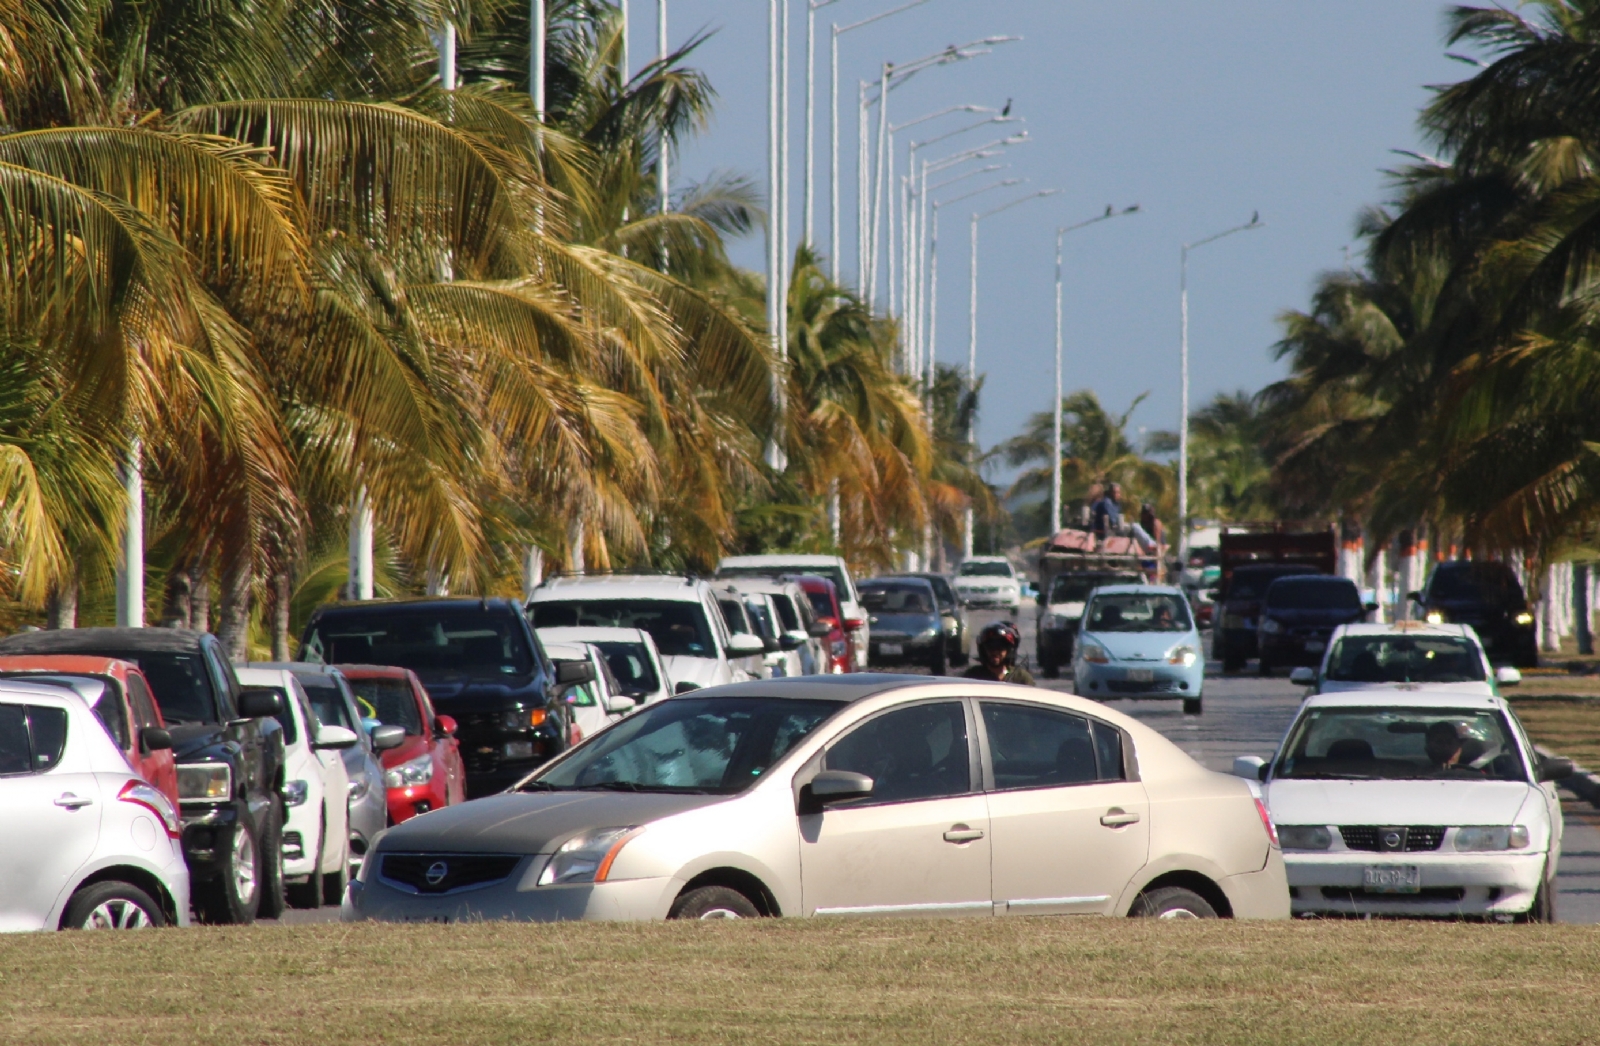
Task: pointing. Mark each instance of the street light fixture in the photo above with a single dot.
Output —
(1255, 222)
(1055, 472)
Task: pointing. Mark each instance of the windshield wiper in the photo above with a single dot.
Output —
(541, 786)
(634, 786)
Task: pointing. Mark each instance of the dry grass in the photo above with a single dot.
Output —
(1570, 728)
(991, 981)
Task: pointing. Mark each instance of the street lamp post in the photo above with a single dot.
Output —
(1255, 222)
(662, 175)
(1055, 471)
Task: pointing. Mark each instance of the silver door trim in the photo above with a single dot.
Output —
(1041, 902)
(889, 909)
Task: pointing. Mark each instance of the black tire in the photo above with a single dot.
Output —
(1051, 670)
(1544, 905)
(112, 906)
(1231, 663)
(1264, 668)
(958, 657)
(308, 895)
(1171, 902)
(274, 902)
(713, 902)
(335, 883)
(1193, 706)
(220, 900)
(940, 664)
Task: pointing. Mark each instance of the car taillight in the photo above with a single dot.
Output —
(140, 794)
(1266, 822)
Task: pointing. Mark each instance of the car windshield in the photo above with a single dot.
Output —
(1252, 584)
(714, 745)
(882, 598)
(679, 627)
(1138, 612)
(178, 682)
(986, 570)
(389, 701)
(1405, 659)
(450, 640)
(821, 604)
(328, 702)
(1313, 594)
(1478, 582)
(630, 663)
(1395, 743)
(1075, 588)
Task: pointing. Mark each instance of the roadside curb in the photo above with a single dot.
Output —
(1582, 783)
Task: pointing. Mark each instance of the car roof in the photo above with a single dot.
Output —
(809, 560)
(985, 559)
(94, 664)
(257, 675)
(1138, 590)
(1407, 628)
(299, 668)
(847, 688)
(1423, 696)
(622, 586)
(29, 690)
(1312, 579)
(760, 585)
(96, 640)
(898, 579)
(589, 634)
(418, 603)
(567, 651)
(372, 671)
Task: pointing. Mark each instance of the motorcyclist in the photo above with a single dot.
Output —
(997, 656)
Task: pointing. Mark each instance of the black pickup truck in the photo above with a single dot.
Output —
(229, 750)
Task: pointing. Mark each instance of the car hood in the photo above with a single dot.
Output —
(532, 822)
(1478, 689)
(1395, 802)
(454, 694)
(701, 671)
(415, 745)
(983, 579)
(1295, 616)
(903, 624)
(1141, 646)
(197, 742)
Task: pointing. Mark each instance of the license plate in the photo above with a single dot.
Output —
(1392, 878)
(891, 649)
(1315, 646)
(1140, 675)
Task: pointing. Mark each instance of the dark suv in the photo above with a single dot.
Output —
(1234, 623)
(229, 751)
(1487, 596)
(1299, 615)
(481, 665)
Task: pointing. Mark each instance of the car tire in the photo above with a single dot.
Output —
(1544, 905)
(713, 902)
(1193, 706)
(1050, 669)
(1265, 668)
(234, 897)
(273, 900)
(308, 895)
(1171, 902)
(112, 906)
(1232, 664)
(940, 664)
(334, 884)
(958, 657)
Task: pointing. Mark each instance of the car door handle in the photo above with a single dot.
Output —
(1116, 817)
(960, 833)
(72, 802)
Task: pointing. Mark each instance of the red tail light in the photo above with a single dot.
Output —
(1266, 822)
(140, 794)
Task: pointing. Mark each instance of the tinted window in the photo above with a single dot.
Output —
(1252, 584)
(1040, 747)
(14, 753)
(144, 706)
(466, 640)
(733, 614)
(1401, 743)
(985, 570)
(679, 628)
(787, 613)
(630, 663)
(760, 617)
(941, 589)
(180, 683)
(327, 701)
(1075, 588)
(1137, 612)
(919, 752)
(110, 711)
(719, 745)
(389, 701)
(821, 604)
(1405, 659)
(286, 717)
(1313, 594)
(1483, 582)
(882, 598)
(48, 727)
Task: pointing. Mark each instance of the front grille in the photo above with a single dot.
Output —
(1446, 894)
(1374, 838)
(449, 871)
(1159, 686)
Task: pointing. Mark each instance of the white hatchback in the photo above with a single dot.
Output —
(85, 842)
(1423, 802)
(631, 653)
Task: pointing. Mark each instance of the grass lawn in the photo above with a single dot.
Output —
(1570, 728)
(996, 981)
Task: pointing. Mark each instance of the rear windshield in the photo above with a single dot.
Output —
(1405, 659)
(679, 627)
(1313, 594)
(1483, 582)
(821, 603)
(986, 570)
(1075, 588)
(389, 701)
(456, 640)
(1252, 584)
(178, 681)
(896, 599)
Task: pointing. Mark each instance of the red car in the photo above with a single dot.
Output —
(825, 603)
(426, 772)
(124, 704)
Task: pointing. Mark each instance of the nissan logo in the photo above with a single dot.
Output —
(1390, 839)
(436, 873)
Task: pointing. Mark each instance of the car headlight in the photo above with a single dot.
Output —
(1524, 618)
(416, 771)
(1507, 837)
(208, 782)
(586, 858)
(295, 793)
(1435, 617)
(1094, 653)
(1183, 654)
(929, 633)
(519, 718)
(358, 788)
(1270, 626)
(1305, 837)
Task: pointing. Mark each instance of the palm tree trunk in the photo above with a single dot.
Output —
(63, 605)
(179, 609)
(199, 599)
(233, 624)
(280, 616)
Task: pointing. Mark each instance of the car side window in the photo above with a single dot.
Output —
(47, 729)
(113, 715)
(15, 756)
(226, 703)
(920, 752)
(1034, 747)
(144, 706)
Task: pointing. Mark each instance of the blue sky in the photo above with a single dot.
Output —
(1201, 112)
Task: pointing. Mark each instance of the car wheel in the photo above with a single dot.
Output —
(940, 665)
(1050, 669)
(1171, 902)
(1232, 664)
(309, 893)
(335, 883)
(1193, 706)
(1265, 668)
(112, 906)
(1544, 906)
(713, 902)
(273, 901)
(234, 896)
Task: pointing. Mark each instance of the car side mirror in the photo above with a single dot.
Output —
(1249, 767)
(743, 644)
(1303, 676)
(1415, 597)
(1554, 768)
(387, 737)
(619, 703)
(685, 687)
(155, 739)
(1507, 676)
(445, 725)
(338, 737)
(771, 644)
(1369, 607)
(792, 641)
(819, 629)
(836, 786)
(574, 673)
(260, 702)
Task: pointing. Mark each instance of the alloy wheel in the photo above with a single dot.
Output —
(244, 866)
(117, 914)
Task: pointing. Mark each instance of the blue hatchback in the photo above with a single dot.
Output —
(1139, 641)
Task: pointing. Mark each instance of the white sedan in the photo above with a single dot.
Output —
(1419, 802)
(1399, 657)
(844, 796)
